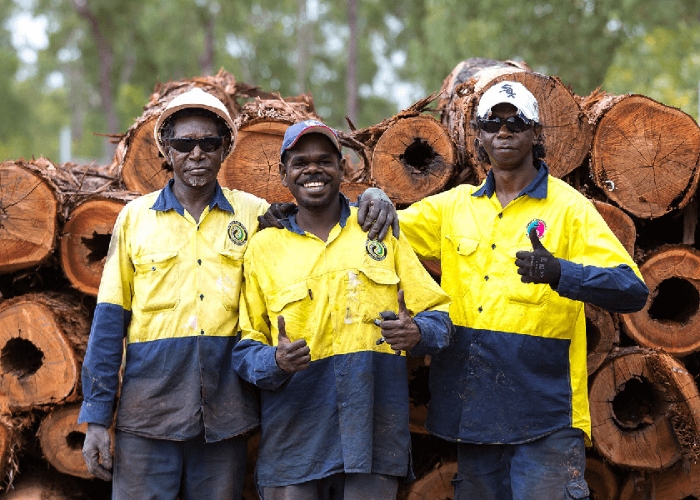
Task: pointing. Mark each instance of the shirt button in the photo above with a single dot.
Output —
(344, 405)
(201, 296)
(199, 261)
(486, 278)
(201, 332)
(500, 216)
(480, 309)
(153, 268)
(197, 227)
(493, 246)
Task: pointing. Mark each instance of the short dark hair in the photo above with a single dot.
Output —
(167, 131)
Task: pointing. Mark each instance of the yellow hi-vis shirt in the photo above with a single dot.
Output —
(347, 412)
(171, 285)
(516, 369)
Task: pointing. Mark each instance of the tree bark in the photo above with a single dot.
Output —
(62, 438)
(42, 342)
(436, 485)
(644, 154)
(601, 335)
(602, 482)
(41, 485)
(29, 204)
(619, 223)
(680, 482)
(670, 320)
(10, 444)
(414, 158)
(645, 410)
(253, 166)
(85, 239)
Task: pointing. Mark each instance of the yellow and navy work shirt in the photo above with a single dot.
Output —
(348, 412)
(516, 369)
(171, 285)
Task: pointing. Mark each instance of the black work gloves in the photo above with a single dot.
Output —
(538, 266)
(97, 452)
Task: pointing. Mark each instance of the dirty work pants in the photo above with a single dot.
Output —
(159, 469)
(338, 487)
(550, 467)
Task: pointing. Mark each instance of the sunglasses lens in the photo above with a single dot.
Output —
(490, 126)
(206, 144)
(514, 124)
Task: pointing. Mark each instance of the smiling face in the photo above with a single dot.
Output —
(509, 150)
(312, 171)
(197, 168)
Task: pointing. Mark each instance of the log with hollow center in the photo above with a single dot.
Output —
(62, 439)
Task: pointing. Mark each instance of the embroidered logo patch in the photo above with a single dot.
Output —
(237, 233)
(376, 249)
(539, 225)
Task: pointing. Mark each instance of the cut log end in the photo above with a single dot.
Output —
(85, 242)
(671, 318)
(143, 169)
(602, 482)
(28, 225)
(642, 405)
(414, 158)
(62, 439)
(436, 485)
(645, 156)
(601, 335)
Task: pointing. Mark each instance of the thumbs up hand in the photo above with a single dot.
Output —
(290, 356)
(538, 266)
(401, 333)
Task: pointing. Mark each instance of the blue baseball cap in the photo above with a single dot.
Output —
(294, 132)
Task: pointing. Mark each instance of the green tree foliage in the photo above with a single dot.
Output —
(105, 52)
(663, 64)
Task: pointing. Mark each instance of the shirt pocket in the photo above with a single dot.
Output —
(230, 278)
(294, 303)
(375, 290)
(461, 261)
(157, 281)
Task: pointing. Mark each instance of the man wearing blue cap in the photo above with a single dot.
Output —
(329, 317)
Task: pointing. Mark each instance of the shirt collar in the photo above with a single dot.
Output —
(290, 223)
(167, 201)
(536, 189)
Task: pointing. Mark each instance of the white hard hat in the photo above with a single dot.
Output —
(511, 93)
(197, 99)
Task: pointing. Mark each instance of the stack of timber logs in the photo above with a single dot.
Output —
(637, 160)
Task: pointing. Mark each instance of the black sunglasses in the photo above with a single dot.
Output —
(187, 144)
(515, 124)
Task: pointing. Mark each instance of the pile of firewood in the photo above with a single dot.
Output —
(636, 159)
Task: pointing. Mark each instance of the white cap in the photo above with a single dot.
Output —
(197, 99)
(511, 93)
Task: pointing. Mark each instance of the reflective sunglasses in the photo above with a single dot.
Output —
(187, 144)
(515, 124)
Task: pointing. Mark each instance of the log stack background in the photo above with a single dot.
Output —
(635, 158)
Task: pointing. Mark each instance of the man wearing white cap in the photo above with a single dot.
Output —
(170, 290)
(325, 333)
(520, 254)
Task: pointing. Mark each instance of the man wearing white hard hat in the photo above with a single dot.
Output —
(169, 292)
(520, 254)
(169, 301)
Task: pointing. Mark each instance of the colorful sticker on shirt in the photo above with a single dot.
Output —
(376, 249)
(539, 225)
(237, 233)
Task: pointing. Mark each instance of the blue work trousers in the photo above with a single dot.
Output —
(159, 469)
(551, 467)
(340, 486)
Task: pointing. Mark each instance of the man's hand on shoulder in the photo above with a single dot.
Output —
(275, 214)
(377, 214)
